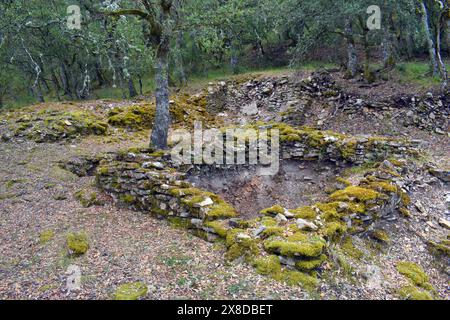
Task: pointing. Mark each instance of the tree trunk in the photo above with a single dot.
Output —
(98, 72)
(352, 63)
(441, 63)
(131, 88)
(429, 37)
(161, 125)
(388, 52)
(140, 85)
(181, 74)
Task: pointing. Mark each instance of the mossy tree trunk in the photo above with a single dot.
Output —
(159, 19)
(429, 38)
(352, 56)
(162, 119)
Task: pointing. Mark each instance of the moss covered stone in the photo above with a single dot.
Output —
(307, 213)
(361, 194)
(312, 247)
(310, 264)
(131, 291)
(52, 125)
(218, 227)
(268, 266)
(273, 211)
(78, 243)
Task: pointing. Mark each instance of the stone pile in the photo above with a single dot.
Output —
(292, 96)
(286, 244)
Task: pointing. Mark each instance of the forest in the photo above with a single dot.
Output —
(320, 166)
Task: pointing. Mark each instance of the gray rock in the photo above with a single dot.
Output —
(303, 224)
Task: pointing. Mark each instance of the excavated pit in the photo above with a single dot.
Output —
(297, 184)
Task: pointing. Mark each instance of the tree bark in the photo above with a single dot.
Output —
(181, 74)
(131, 88)
(352, 56)
(429, 38)
(161, 125)
(441, 63)
(140, 85)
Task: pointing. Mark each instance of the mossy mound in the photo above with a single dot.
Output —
(78, 243)
(205, 204)
(134, 117)
(311, 247)
(184, 110)
(268, 266)
(415, 273)
(46, 236)
(131, 291)
(50, 125)
(355, 193)
(296, 278)
(273, 211)
(241, 245)
(413, 293)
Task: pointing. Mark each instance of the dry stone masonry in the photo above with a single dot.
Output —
(289, 244)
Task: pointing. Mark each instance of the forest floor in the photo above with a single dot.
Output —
(36, 196)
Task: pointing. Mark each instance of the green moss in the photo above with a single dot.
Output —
(127, 198)
(415, 273)
(179, 223)
(361, 194)
(298, 236)
(380, 235)
(312, 247)
(54, 125)
(268, 266)
(307, 213)
(349, 249)
(218, 227)
(440, 248)
(46, 236)
(383, 186)
(272, 231)
(131, 291)
(406, 200)
(103, 171)
(134, 117)
(221, 210)
(310, 264)
(13, 182)
(333, 230)
(77, 242)
(329, 210)
(157, 154)
(273, 211)
(268, 221)
(87, 200)
(405, 212)
(239, 245)
(413, 293)
(295, 278)
(344, 181)
(348, 148)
